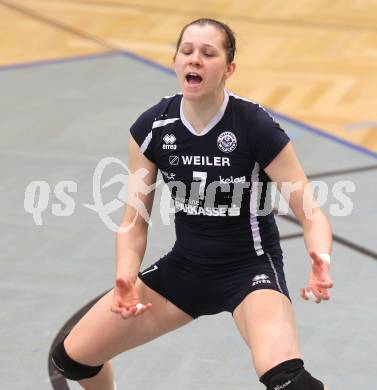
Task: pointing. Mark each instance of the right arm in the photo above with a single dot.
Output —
(131, 239)
(132, 242)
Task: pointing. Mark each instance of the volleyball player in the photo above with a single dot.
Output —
(218, 153)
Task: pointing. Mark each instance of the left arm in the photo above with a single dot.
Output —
(286, 171)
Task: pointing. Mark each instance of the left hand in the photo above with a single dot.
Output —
(319, 280)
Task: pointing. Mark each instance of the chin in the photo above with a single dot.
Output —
(190, 94)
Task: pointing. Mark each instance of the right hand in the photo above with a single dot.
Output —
(126, 298)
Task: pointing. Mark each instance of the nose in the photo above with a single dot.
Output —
(195, 59)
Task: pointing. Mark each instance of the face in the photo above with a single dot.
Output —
(201, 64)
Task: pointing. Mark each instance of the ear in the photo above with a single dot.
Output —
(230, 68)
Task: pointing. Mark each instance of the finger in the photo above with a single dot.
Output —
(321, 294)
(325, 297)
(128, 311)
(132, 309)
(115, 309)
(324, 294)
(139, 309)
(146, 306)
(317, 298)
(310, 294)
(138, 312)
(314, 296)
(125, 314)
(327, 284)
(115, 306)
(142, 308)
(303, 294)
(129, 306)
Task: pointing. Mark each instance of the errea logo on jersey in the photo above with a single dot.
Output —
(169, 140)
(261, 279)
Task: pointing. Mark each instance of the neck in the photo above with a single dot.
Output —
(200, 113)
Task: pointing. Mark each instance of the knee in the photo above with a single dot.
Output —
(290, 375)
(69, 368)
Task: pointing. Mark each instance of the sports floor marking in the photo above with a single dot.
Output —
(347, 243)
(62, 60)
(59, 25)
(109, 46)
(237, 17)
(59, 382)
(342, 172)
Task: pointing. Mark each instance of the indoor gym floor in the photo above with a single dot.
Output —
(61, 114)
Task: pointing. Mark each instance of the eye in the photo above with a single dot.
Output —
(186, 50)
(209, 52)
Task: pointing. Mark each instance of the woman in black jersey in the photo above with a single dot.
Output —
(218, 153)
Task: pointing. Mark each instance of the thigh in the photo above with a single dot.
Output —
(101, 334)
(266, 322)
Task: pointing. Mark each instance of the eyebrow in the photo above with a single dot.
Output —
(205, 44)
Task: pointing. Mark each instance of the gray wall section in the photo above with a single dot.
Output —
(57, 122)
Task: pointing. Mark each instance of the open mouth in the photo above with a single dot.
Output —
(193, 78)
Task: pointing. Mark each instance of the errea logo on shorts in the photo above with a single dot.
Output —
(261, 279)
(169, 140)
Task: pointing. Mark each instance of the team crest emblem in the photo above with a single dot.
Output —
(227, 142)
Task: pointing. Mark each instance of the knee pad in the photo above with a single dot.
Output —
(69, 368)
(290, 375)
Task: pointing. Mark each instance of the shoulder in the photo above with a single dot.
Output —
(254, 112)
(160, 111)
(243, 105)
(154, 117)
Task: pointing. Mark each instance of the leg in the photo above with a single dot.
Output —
(266, 322)
(100, 334)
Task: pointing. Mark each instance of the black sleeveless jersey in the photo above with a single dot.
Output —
(218, 186)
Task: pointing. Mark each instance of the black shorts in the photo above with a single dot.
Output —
(199, 289)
